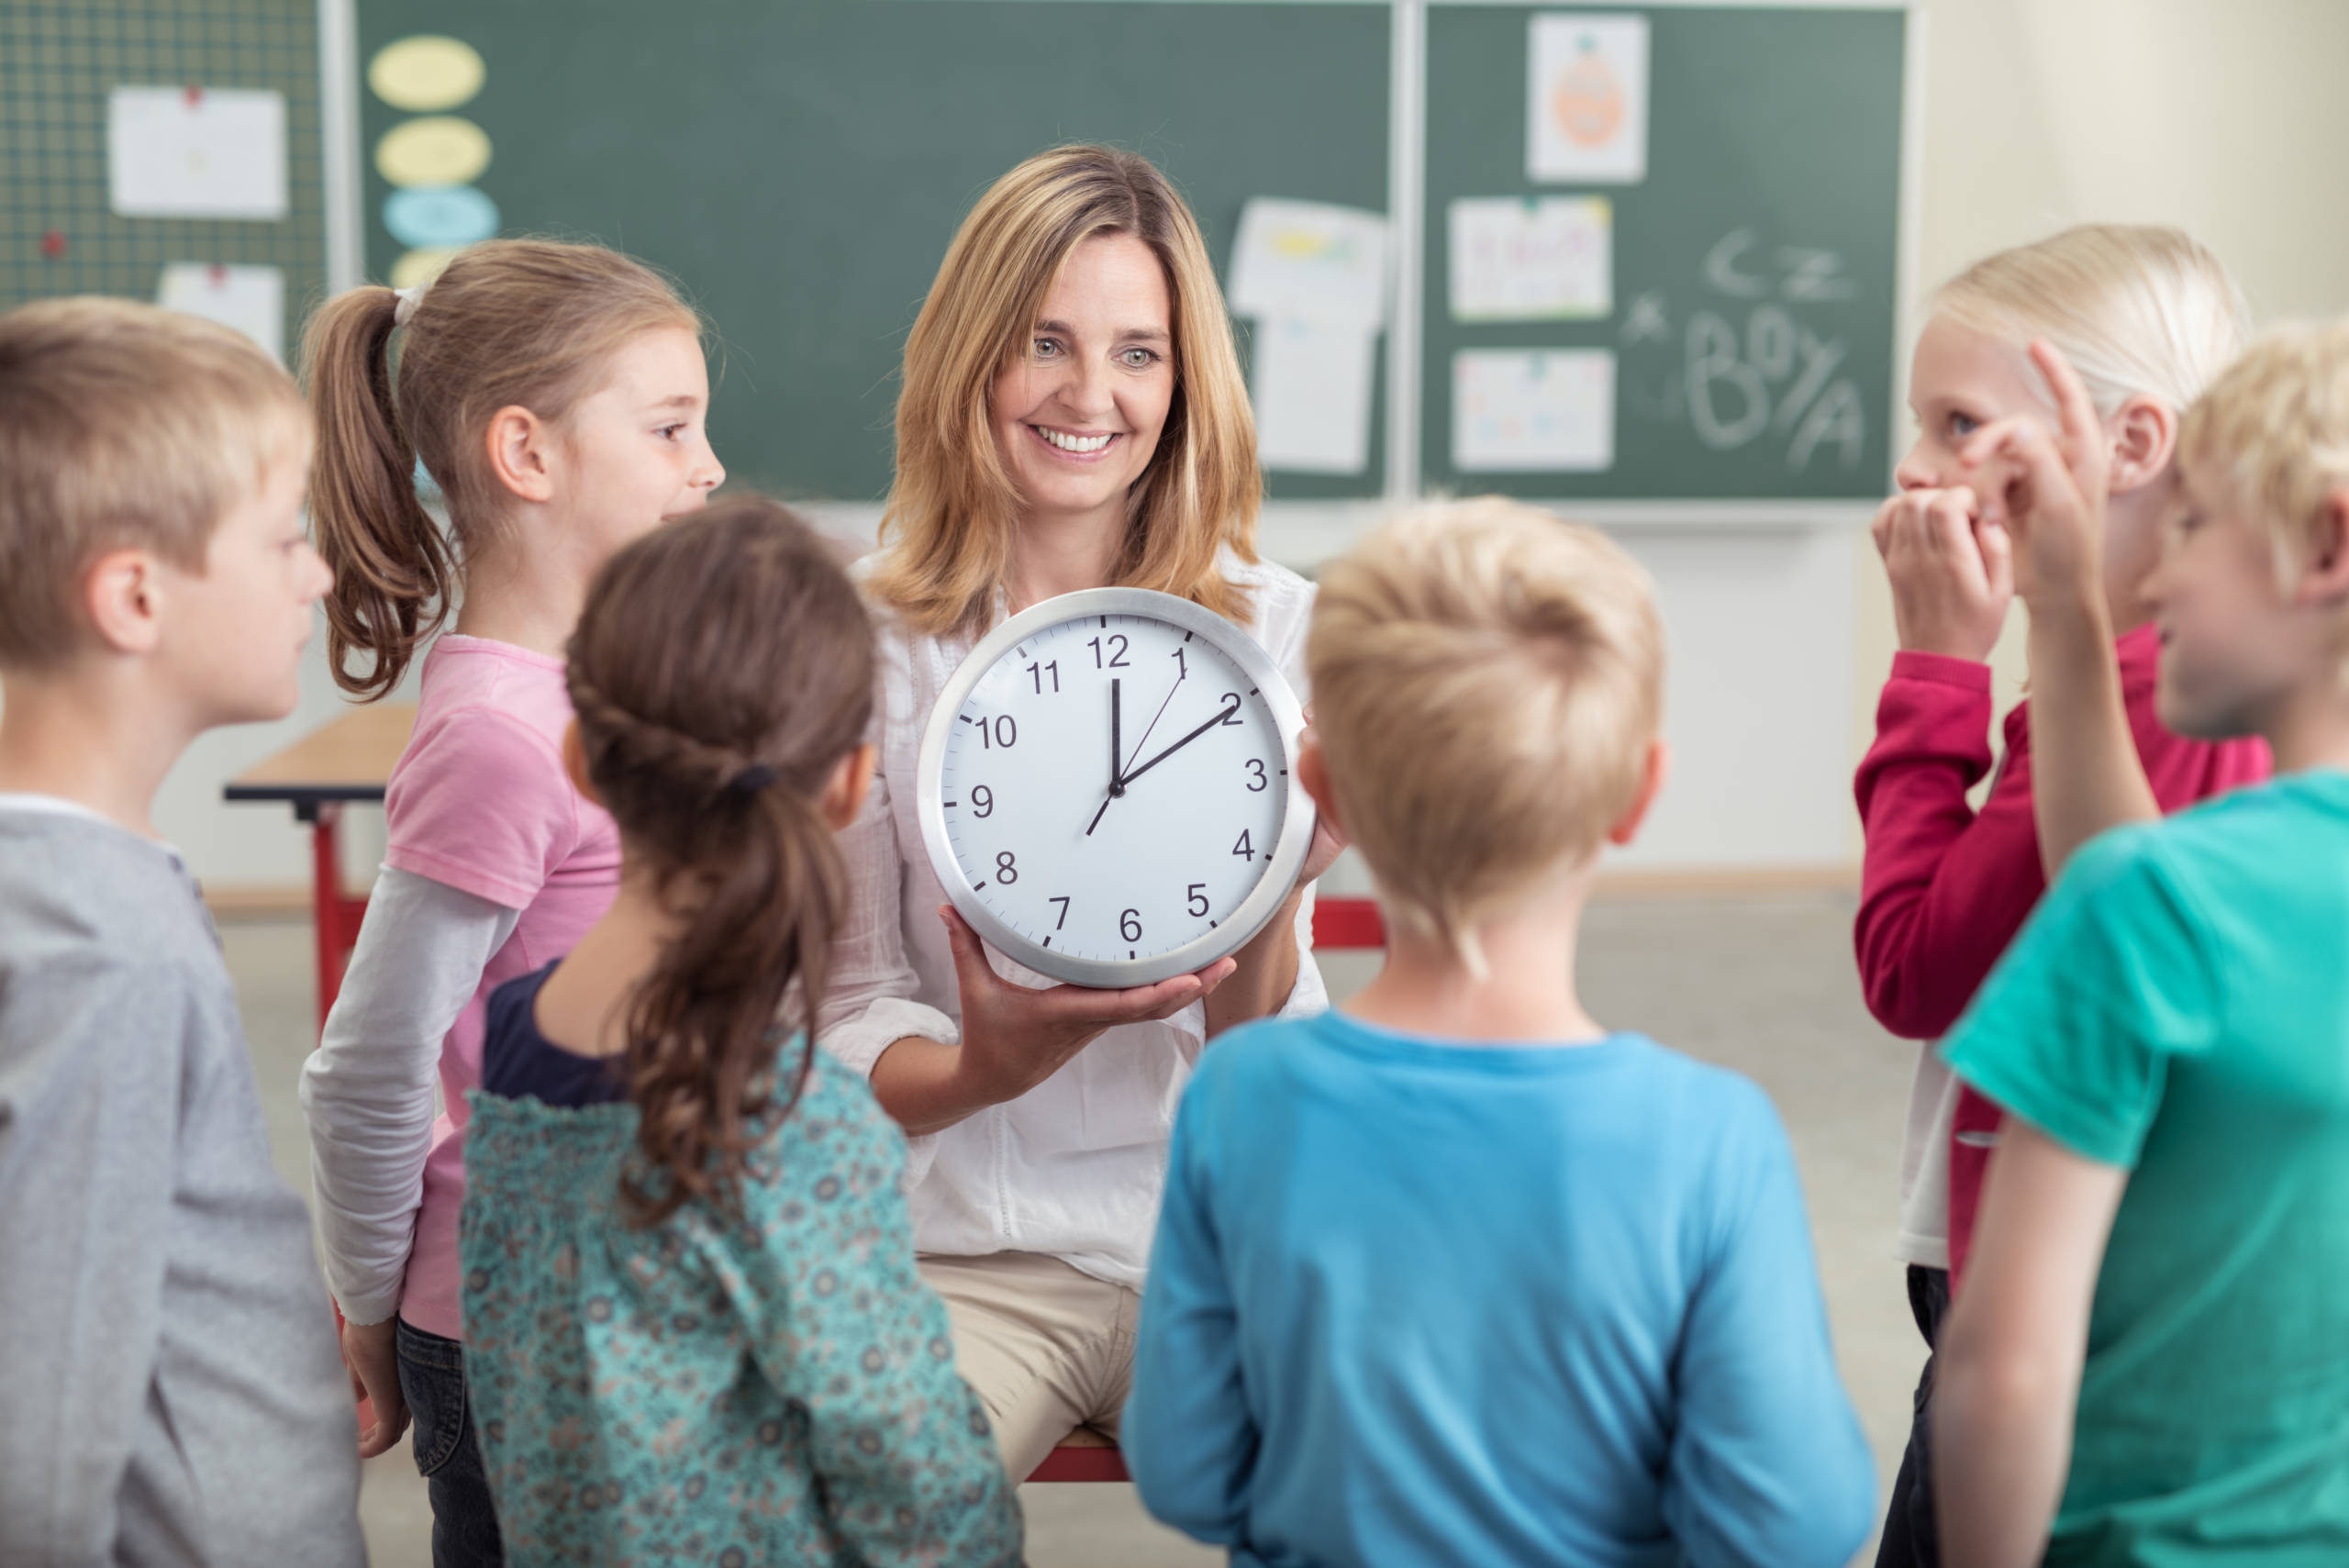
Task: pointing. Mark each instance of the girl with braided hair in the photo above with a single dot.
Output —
(694, 1331)
(555, 393)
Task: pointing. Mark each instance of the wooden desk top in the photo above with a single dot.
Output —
(349, 758)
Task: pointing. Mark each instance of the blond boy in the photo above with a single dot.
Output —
(2151, 1358)
(169, 1385)
(1455, 1275)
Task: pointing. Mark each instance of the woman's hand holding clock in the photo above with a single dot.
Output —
(1014, 1037)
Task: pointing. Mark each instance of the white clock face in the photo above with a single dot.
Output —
(1113, 788)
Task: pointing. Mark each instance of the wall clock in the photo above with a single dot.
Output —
(1108, 787)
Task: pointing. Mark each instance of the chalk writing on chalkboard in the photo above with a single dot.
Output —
(1758, 360)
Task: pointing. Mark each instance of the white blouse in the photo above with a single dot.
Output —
(1073, 1167)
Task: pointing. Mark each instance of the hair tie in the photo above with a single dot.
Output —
(404, 312)
(751, 780)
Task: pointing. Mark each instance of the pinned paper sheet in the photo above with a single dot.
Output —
(1586, 101)
(1312, 395)
(252, 300)
(195, 152)
(1521, 410)
(1539, 259)
(1310, 259)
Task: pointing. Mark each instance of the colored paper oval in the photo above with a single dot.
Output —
(426, 216)
(419, 267)
(425, 73)
(439, 151)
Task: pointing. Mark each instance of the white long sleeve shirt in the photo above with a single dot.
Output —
(1073, 1167)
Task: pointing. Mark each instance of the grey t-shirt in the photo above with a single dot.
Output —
(170, 1392)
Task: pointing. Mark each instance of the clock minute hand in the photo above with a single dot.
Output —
(1220, 714)
(1117, 785)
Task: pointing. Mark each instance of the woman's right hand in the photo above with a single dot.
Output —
(1015, 1036)
(370, 1354)
(1952, 578)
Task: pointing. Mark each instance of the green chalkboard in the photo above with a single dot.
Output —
(1754, 265)
(801, 164)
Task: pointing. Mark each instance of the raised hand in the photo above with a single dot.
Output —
(2046, 489)
(1952, 578)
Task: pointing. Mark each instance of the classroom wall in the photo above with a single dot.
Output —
(2221, 114)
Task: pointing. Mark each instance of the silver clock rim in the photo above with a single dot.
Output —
(1286, 860)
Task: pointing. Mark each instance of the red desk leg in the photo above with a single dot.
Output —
(334, 914)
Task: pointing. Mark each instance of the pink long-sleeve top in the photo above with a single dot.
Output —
(1944, 888)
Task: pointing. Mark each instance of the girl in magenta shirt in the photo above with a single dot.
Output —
(2148, 317)
(555, 393)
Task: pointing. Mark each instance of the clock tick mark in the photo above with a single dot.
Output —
(1130, 952)
(1105, 623)
(977, 885)
(1251, 691)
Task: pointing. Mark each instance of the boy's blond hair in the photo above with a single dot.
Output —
(1486, 680)
(122, 426)
(2274, 428)
(2139, 309)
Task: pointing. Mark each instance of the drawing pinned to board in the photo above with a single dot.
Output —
(195, 152)
(1312, 395)
(427, 74)
(251, 300)
(1314, 276)
(1586, 99)
(1537, 259)
(1533, 410)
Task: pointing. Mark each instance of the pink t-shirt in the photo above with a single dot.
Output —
(480, 802)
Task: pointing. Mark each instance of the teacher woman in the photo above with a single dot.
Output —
(1071, 417)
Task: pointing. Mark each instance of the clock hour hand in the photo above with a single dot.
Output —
(1220, 714)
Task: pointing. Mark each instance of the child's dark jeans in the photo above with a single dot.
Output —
(1910, 1538)
(432, 1380)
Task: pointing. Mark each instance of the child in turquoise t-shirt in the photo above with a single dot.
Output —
(1455, 1275)
(2149, 1360)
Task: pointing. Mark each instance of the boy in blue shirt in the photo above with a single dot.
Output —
(2150, 1359)
(1456, 1274)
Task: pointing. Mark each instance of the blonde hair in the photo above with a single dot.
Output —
(529, 323)
(946, 531)
(2138, 309)
(1486, 678)
(122, 426)
(2275, 428)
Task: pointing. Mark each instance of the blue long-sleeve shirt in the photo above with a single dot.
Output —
(1422, 1302)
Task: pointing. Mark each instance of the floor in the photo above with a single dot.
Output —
(1763, 985)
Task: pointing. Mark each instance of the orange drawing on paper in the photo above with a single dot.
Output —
(1587, 98)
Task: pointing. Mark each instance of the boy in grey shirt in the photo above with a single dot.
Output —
(169, 1391)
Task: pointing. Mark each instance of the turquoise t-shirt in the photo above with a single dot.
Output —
(2180, 1008)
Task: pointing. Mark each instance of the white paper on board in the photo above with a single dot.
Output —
(1312, 395)
(1532, 258)
(1310, 259)
(195, 152)
(1525, 410)
(251, 300)
(1586, 99)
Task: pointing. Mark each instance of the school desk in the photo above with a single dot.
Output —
(333, 766)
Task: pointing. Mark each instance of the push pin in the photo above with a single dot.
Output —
(52, 244)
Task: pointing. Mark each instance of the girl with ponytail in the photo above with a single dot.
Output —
(555, 393)
(694, 1329)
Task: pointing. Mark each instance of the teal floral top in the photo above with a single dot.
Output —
(778, 1388)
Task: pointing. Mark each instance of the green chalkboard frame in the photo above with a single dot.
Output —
(753, 123)
(1776, 140)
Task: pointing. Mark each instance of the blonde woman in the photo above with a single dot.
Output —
(1072, 417)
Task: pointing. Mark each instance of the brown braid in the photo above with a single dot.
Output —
(722, 668)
